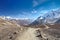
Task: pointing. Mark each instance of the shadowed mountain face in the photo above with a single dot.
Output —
(38, 21)
(58, 22)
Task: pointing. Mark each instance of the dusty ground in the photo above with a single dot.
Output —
(17, 33)
(29, 34)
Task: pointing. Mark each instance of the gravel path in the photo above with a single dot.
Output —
(29, 34)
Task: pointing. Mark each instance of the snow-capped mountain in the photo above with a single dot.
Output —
(16, 20)
(52, 17)
(6, 17)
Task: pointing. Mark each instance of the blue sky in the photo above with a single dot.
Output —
(26, 8)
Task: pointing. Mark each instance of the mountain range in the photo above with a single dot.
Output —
(21, 22)
(51, 17)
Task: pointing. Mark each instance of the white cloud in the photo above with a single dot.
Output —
(38, 2)
(44, 11)
(34, 11)
(55, 9)
(35, 3)
(24, 18)
(8, 17)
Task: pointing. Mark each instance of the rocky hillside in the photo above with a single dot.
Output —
(12, 31)
(9, 30)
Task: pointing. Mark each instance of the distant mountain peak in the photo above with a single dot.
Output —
(51, 17)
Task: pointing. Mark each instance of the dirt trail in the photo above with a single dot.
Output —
(29, 34)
